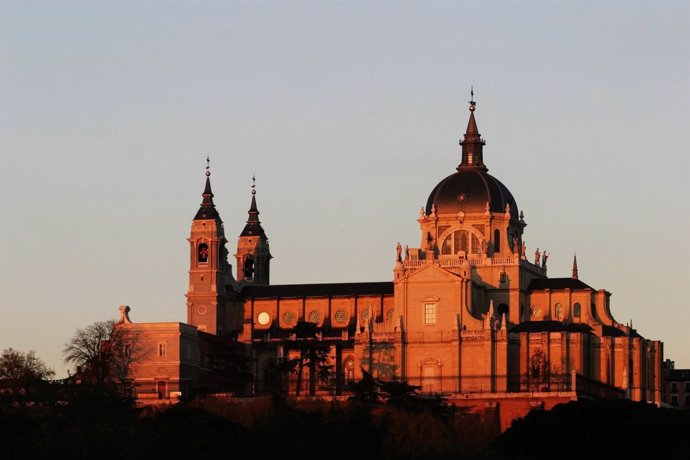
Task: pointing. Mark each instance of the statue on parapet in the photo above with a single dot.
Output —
(537, 256)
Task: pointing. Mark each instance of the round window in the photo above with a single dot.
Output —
(263, 318)
(314, 316)
(202, 309)
(535, 312)
(341, 316)
(364, 315)
(289, 317)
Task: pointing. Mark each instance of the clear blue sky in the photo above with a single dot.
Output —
(349, 114)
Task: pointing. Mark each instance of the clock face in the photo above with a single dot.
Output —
(263, 318)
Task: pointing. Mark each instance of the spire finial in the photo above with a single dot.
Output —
(207, 210)
(253, 184)
(472, 144)
(574, 266)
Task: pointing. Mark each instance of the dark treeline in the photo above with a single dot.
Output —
(78, 422)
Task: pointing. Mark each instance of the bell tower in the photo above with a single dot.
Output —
(209, 271)
(253, 254)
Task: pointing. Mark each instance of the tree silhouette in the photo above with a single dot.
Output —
(23, 367)
(104, 353)
(313, 354)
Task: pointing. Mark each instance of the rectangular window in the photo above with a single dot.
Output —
(687, 387)
(674, 387)
(687, 400)
(162, 350)
(429, 313)
(674, 400)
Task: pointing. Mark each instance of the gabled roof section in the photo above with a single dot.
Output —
(318, 290)
(557, 283)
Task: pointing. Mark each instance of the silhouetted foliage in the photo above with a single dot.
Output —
(600, 429)
(75, 422)
(313, 354)
(23, 367)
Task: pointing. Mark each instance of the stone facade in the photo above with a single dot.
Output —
(468, 314)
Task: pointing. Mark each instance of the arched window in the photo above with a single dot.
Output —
(538, 362)
(349, 369)
(461, 240)
(577, 310)
(249, 267)
(203, 253)
(497, 240)
(558, 311)
(502, 310)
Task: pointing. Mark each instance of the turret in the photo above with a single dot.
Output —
(253, 254)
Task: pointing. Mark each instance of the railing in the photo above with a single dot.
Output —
(445, 261)
(414, 263)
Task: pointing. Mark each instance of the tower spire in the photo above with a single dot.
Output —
(574, 266)
(472, 144)
(253, 210)
(207, 209)
(253, 226)
(253, 254)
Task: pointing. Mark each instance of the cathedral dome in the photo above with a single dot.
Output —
(471, 188)
(468, 190)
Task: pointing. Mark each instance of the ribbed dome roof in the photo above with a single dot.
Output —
(469, 191)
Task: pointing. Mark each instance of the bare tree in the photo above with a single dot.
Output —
(17, 365)
(104, 353)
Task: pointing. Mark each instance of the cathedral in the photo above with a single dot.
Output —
(467, 314)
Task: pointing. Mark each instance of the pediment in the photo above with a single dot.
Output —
(432, 273)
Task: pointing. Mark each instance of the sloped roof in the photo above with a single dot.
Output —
(557, 283)
(319, 290)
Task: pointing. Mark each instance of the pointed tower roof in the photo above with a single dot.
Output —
(575, 266)
(207, 209)
(472, 144)
(253, 227)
